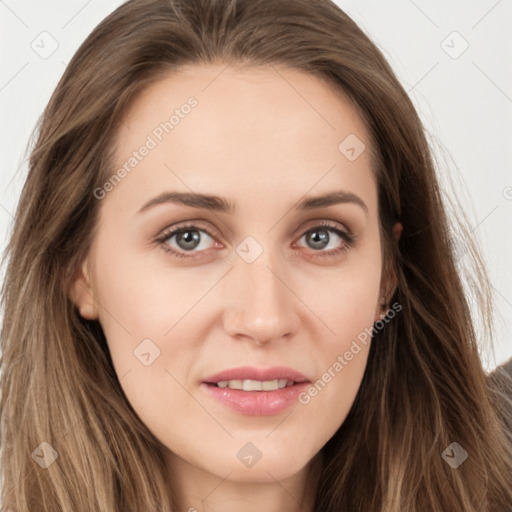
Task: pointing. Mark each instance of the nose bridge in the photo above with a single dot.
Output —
(261, 304)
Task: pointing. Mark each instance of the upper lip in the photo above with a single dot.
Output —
(253, 373)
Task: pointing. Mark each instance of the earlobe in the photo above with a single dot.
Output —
(397, 230)
(389, 286)
(81, 293)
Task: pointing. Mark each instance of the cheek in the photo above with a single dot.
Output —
(145, 315)
(347, 305)
(144, 318)
(141, 299)
(334, 389)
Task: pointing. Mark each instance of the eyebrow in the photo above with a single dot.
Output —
(222, 205)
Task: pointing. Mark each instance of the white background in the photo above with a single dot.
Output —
(465, 102)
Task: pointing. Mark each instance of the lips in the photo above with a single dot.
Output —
(256, 391)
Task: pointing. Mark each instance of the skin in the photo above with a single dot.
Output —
(263, 145)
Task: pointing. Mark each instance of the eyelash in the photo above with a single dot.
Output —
(349, 240)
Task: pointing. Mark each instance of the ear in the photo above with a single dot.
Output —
(388, 282)
(81, 293)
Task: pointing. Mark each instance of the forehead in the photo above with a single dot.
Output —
(250, 126)
(264, 100)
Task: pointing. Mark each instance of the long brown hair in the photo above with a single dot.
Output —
(424, 387)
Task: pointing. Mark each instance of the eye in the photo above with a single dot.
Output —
(187, 238)
(318, 238)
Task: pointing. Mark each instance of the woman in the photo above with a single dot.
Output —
(302, 341)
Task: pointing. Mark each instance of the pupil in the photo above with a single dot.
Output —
(189, 237)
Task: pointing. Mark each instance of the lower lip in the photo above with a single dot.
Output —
(257, 403)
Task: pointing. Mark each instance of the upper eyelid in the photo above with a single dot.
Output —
(172, 231)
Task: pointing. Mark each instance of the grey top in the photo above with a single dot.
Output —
(505, 367)
(508, 367)
(501, 377)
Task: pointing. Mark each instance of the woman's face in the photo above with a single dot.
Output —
(263, 292)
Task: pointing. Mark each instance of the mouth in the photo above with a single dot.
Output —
(254, 391)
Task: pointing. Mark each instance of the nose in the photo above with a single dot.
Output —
(261, 302)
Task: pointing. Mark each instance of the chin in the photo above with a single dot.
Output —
(273, 465)
(264, 473)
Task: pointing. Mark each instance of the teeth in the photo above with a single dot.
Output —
(252, 385)
(255, 385)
